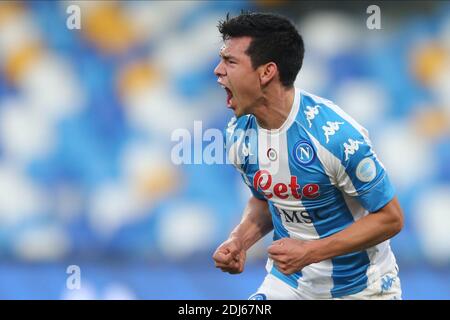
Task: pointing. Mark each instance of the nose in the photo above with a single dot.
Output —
(219, 70)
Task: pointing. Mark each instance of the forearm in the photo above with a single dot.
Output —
(364, 233)
(256, 223)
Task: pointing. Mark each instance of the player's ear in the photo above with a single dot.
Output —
(267, 72)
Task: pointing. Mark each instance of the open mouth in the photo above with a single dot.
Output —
(229, 96)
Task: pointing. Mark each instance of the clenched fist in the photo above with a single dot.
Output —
(230, 256)
(290, 255)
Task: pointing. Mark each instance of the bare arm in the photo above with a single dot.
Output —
(364, 233)
(293, 255)
(256, 223)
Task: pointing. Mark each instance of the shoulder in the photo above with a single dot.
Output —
(237, 126)
(240, 122)
(319, 111)
(241, 142)
(330, 126)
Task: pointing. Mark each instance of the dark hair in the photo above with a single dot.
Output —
(274, 38)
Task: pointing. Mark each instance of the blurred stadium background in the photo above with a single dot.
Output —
(86, 118)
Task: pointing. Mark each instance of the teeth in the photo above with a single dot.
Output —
(223, 86)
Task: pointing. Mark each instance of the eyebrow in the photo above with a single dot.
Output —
(226, 56)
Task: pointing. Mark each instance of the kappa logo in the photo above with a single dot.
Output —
(351, 147)
(232, 121)
(331, 128)
(303, 153)
(311, 113)
(231, 125)
(386, 283)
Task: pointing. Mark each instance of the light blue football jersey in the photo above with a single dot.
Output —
(319, 174)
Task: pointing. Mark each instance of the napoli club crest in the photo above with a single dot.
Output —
(258, 296)
(303, 153)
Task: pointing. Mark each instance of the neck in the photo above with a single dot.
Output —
(275, 107)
